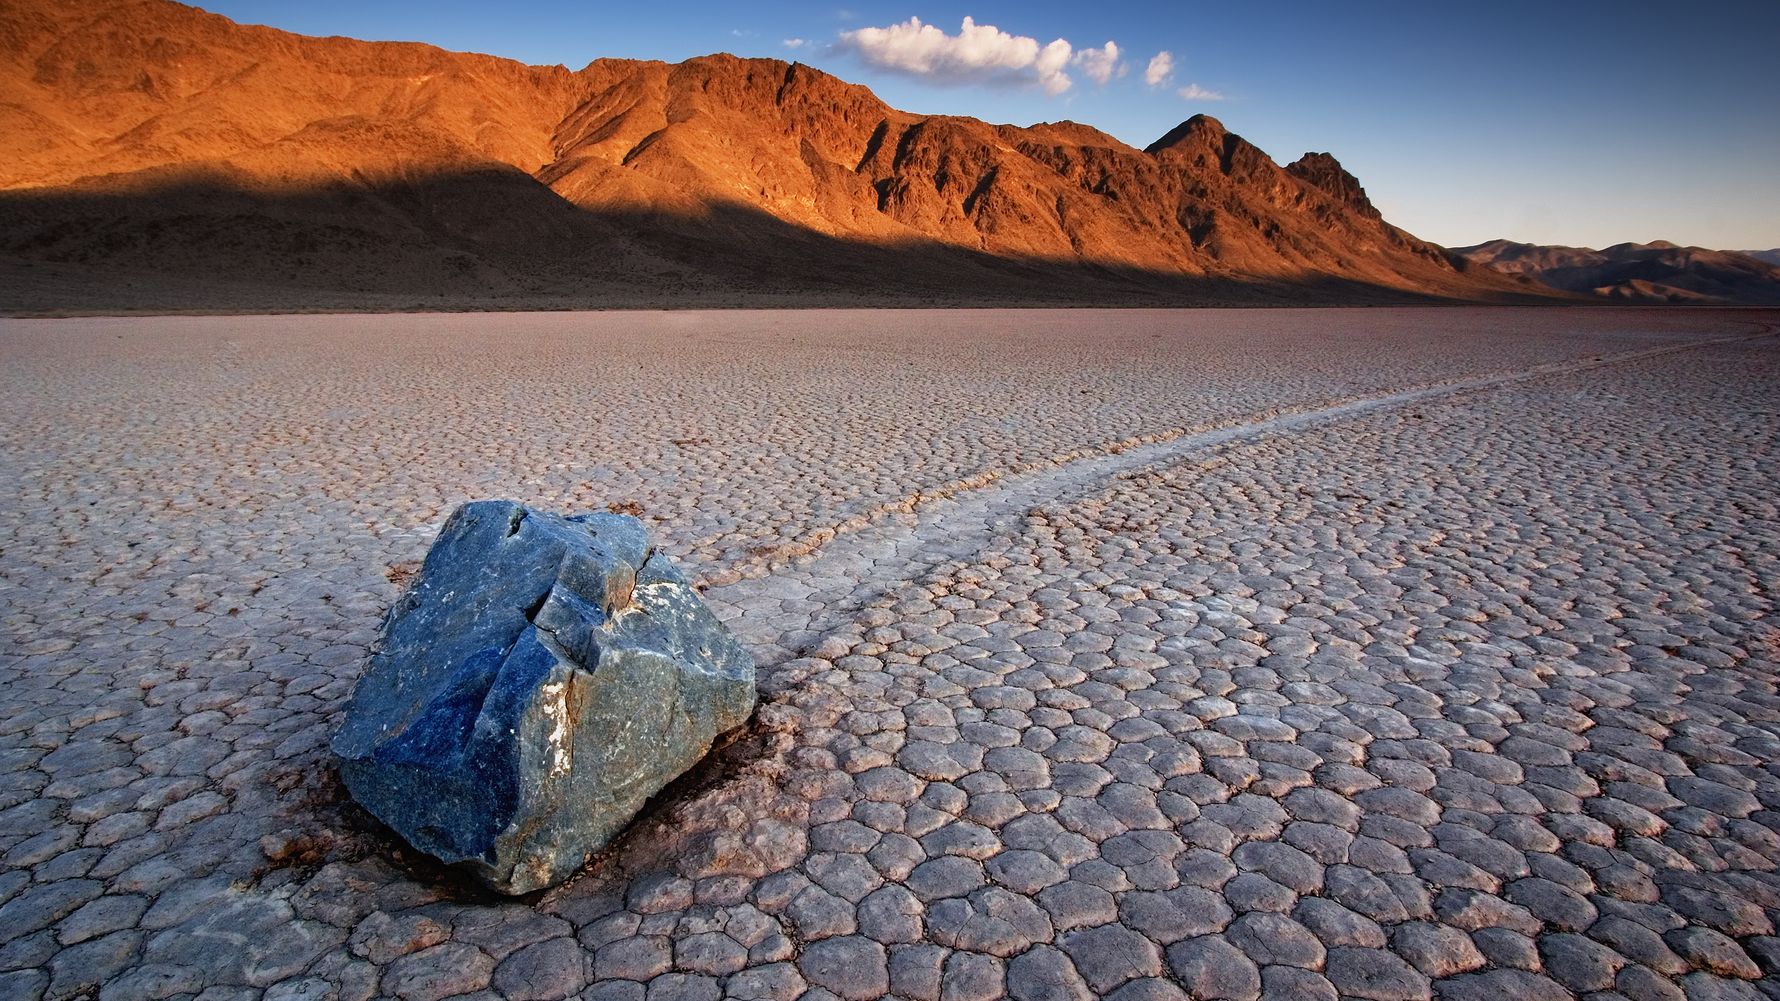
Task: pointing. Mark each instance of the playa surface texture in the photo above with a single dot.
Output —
(1383, 654)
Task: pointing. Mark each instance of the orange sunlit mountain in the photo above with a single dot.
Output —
(165, 153)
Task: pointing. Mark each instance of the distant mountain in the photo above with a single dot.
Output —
(1638, 272)
(1765, 256)
(155, 150)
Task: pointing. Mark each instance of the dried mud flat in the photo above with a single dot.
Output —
(1382, 654)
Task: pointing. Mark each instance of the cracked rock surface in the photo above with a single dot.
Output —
(544, 676)
(1333, 689)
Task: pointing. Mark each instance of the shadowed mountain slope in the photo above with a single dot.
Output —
(153, 144)
(1638, 272)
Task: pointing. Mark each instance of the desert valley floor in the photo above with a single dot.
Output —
(1370, 653)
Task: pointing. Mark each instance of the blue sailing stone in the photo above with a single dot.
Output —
(542, 678)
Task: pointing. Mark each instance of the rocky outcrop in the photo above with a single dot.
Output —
(1324, 172)
(541, 679)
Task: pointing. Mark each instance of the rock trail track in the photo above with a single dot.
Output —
(1305, 686)
(871, 555)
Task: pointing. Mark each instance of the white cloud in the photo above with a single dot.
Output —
(1100, 64)
(795, 43)
(1194, 92)
(979, 52)
(1161, 67)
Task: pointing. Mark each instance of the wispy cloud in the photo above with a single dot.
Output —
(795, 43)
(1194, 92)
(1100, 64)
(1160, 69)
(979, 53)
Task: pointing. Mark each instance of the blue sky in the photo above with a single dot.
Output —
(1564, 121)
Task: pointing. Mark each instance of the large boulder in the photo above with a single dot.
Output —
(541, 679)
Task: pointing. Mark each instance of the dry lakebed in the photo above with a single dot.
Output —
(1369, 653)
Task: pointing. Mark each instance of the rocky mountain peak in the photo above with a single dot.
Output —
(1324, 172)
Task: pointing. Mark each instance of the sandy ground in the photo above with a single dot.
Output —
(1365, 653)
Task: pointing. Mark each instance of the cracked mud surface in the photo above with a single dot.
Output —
(1377, 654)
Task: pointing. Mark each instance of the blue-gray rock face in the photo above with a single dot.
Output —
(541, 679)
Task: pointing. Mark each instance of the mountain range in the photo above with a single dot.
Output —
(1639, 272)
(158, 156)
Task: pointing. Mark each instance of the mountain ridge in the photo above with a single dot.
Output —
(1658, 271)
(150, 138)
